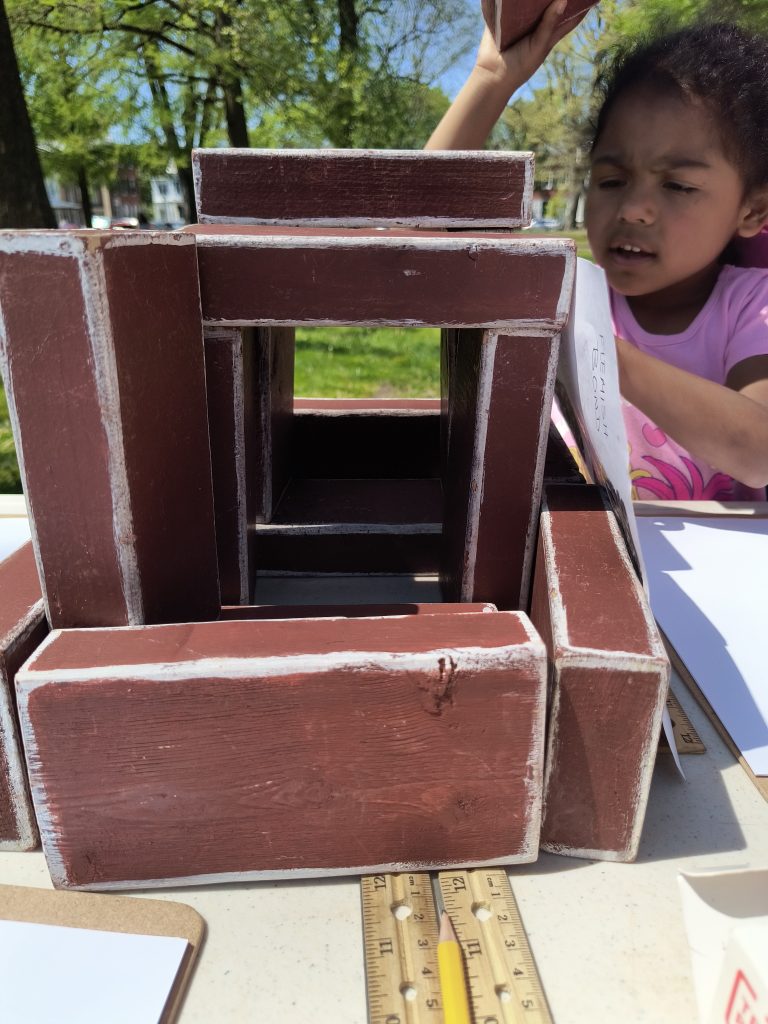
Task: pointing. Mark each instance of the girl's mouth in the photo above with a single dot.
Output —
(627, 253)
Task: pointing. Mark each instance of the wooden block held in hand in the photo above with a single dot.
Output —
(226, 751)
(510, 20)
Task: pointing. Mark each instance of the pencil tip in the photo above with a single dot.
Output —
(447, 931)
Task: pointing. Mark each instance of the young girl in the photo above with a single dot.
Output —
(678, 182)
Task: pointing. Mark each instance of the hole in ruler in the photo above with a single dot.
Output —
(408, 991)
(505, 996)
(401, 911)
(481, 911)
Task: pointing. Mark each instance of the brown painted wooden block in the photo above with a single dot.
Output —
(495, 427)
(273, 275)
(348, 611)
(102, 358)
(510, 20)
(249, 380)
(352, 188)
(22, 629)
(353, 526)
(228, 751)
(609, 679)
(360, 438)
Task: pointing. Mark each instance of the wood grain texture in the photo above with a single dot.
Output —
(22, 628)
(234, 750)
(114, 455)
(609, 679)
(496, 425)
(510, 20)
(272, 275)
(363, 187)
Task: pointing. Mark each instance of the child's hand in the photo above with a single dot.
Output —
(516, 64)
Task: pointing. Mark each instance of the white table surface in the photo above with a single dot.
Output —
(608, 938)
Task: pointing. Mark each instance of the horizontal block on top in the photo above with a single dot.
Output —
(609, 679)
(346, 525)
(224, 751)
(510, 20)
(23, 627)
(272, 275)
(355, 188)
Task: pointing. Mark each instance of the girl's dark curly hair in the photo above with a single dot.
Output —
(720, 65)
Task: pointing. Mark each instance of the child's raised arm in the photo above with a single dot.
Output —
(495, 77)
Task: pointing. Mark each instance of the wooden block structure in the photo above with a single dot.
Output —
(510, 20)
(167, 462)
(22, 628)
(275, 749)
(102, 359)
(287, 271)
(609, 679)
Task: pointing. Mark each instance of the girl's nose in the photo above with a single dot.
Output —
(636, 207)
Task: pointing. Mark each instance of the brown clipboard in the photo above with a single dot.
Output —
(107, 913)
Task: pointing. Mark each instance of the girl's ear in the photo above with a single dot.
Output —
(754, 215)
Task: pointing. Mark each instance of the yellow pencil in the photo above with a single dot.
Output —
(451, 967)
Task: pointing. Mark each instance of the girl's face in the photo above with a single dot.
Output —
(663, 200)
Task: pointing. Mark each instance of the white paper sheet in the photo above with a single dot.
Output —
(55, 975)
(708, 580)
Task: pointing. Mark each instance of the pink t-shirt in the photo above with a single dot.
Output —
(732, 326)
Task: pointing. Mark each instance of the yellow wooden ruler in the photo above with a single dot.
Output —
(400, 932)
(687, 740)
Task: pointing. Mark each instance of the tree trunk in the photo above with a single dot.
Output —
(237, 127)
(349, 43)
(23, 200)
(85, 199)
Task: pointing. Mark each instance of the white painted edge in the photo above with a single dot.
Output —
(376, 413)
(468, 659)
(461, 223)
(522, 328)
(513, 246)
(508, 156)
(524, 855)
(76, 243)
(477, 466)
(240, 456)
(526, 579)
(344, 529)
(94, 288)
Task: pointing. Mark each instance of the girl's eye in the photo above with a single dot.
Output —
(610, 183)
(675, 186)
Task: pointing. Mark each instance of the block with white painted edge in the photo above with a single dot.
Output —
(360, 188)
(102, 358)
(609, 679)
(225, 751)
(510, 20)
(22, 629)
(349, 611)
(495, 432)
(279, 275)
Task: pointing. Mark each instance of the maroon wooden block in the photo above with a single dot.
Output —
(347, 611)
(351, 188)
(272, 275)
(249, 379)
(22, 629)
(609, 679)
(353, 526)
(496, 423)
(102, 359)
(355, 438)
(233, 750)
(510, 20)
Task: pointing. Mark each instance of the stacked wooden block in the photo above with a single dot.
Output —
(167, 463)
